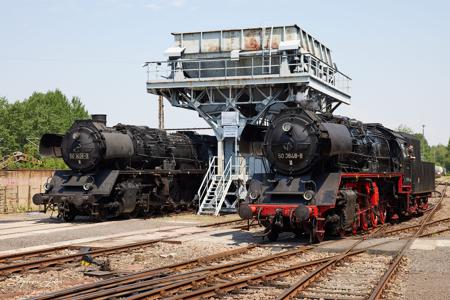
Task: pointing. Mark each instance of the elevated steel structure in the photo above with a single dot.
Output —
(254, 72)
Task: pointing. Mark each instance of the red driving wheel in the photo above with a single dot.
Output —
(382, 213)
(364, 220)
(373, 218)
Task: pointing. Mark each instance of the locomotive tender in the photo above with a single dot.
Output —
(331, 175)
(123, 170)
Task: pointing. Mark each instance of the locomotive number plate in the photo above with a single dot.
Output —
(290, 155)
(79, 156)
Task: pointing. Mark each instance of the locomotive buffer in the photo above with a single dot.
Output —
(237, 77)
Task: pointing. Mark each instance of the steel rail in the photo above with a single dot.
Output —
(143, 275)
(435, 232)
(294, 290)
(377, 291)
(223, 287)
(124, 288)
(35, 253)
(416, 226)
(180, 284)
(58, 260)
(247, 281)
(235, 284)
(232, 268)
(206, 274)
(224, 270)
(220, 223)
(151, 274)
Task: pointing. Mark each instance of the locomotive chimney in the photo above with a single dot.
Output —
(99, 118)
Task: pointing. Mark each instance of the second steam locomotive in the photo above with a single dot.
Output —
(123, 170)
(330, 175)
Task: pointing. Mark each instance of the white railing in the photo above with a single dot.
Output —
(214, 187)
(223, 185)
(210, 173)
(249, 66)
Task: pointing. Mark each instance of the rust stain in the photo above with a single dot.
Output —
(252, 44)
(213, 49)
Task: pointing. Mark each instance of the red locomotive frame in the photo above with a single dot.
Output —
(366, 217)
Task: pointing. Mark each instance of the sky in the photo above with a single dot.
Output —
(396, 52)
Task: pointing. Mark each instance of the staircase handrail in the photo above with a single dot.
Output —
(206, 179)
(227, 172)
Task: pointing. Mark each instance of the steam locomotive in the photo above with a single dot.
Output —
(332, 175)
(123, 170)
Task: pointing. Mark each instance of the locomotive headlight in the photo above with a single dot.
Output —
(87, 186)
(308, 195)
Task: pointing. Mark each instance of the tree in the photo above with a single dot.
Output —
(24, 122)
(405, 129)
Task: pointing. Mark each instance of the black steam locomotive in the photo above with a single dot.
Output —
(123, 170)
(332, 175)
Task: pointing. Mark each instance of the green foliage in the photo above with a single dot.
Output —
(405, 129)
(24, 122)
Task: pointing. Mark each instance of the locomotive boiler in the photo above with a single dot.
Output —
(331, 175)
(123, 170)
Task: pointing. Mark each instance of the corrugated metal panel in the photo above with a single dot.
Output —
(231, 40)
(250, 39)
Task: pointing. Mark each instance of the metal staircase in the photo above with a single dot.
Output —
(213, 192)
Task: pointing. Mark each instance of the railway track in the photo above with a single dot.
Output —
(168, 283)
(15, 265)
(272, 276)
(51, 257)
(237, 274)
(374, 272)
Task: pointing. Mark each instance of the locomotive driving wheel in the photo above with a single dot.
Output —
(66, 212)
